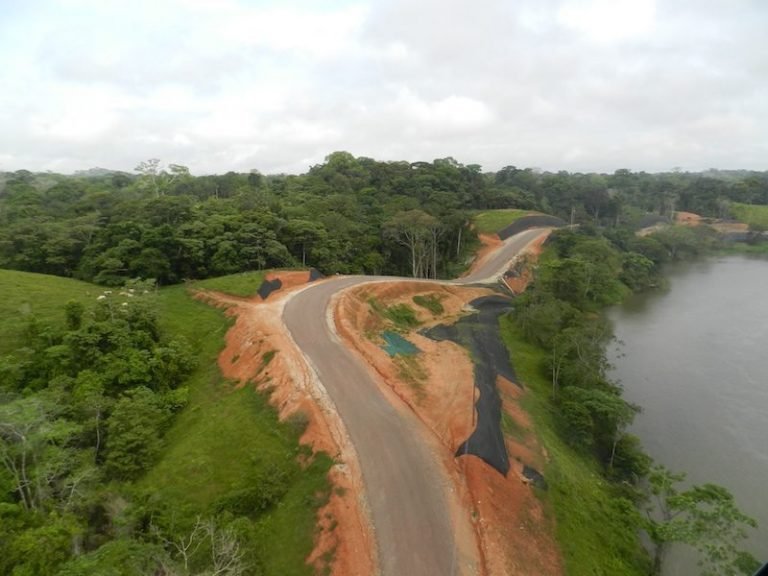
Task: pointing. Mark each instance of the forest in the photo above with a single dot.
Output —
(347, 215)
(88, 397)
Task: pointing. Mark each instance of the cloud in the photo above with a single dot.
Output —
(224, 85)
(608, 20)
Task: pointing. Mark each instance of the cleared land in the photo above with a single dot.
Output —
(753, 215)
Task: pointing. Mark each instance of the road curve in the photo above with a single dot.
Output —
(404, 487)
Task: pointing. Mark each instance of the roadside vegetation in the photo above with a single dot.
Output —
(492, 221)
(123, 449)
(596, 533)
(242, 284)
(602, 481)
(430, 302)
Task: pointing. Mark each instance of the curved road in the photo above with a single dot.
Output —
(403, 484)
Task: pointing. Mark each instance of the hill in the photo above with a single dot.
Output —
(157, 444)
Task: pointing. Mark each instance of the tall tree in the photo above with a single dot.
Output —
(419, 232)
(705, 517)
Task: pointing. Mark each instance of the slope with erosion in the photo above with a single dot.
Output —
(408, 492)
(259, 352)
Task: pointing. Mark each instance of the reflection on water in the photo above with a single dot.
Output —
(695, 357)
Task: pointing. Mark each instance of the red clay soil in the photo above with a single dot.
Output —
(500, 524)
(489, 244)
(687, 218)
(344, 532)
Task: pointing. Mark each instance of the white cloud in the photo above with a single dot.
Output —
(224, 85)
(445, 115)
(608, 20)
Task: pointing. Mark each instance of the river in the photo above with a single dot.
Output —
(695, 357)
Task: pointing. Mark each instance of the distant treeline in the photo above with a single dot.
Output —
(347, 215)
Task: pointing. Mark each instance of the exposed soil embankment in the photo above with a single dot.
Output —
(520, 274)
(499, 519)
(260, 352)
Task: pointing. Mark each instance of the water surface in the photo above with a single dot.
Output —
(695, 357)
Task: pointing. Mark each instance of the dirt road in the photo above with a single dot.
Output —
(405, 490)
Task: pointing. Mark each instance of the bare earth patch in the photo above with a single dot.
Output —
(687, 218)
(500, 523)
(490, 242)
(260, 352)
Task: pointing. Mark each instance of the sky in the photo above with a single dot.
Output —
(276, 86)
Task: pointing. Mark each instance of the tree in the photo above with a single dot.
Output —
(419, 232)
(133, 433)
(156, 179)
(304, 234)
(207, 545)
(705, 517)
(35, 450)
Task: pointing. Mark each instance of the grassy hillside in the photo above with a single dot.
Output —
(229, 441)
(226, 449)
(24, 295)
(492, 221)
(592, 526)
(242, 284)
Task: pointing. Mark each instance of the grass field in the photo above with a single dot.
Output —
(754, 215)
(23, 295)
(225, 440)
(492, 221)
(591, 527)
(242, 284)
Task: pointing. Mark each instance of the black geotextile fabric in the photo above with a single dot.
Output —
(526, 222)
(269, 286)
(315, 275)
(480, 333)
(535, 477)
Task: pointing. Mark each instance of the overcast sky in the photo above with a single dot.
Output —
(219, 85)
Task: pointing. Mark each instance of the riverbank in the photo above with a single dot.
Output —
(705, 334)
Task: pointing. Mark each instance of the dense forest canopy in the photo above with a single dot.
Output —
(347, 215)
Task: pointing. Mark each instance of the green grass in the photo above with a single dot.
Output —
(493, 221)
(402, 316)
(25, 295)
(754, 215)
(242, 284)
(431, 302)
(225, 438)
(511, 428)
(592, 530)
(412, 373)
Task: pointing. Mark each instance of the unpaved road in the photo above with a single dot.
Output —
(404, 487)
